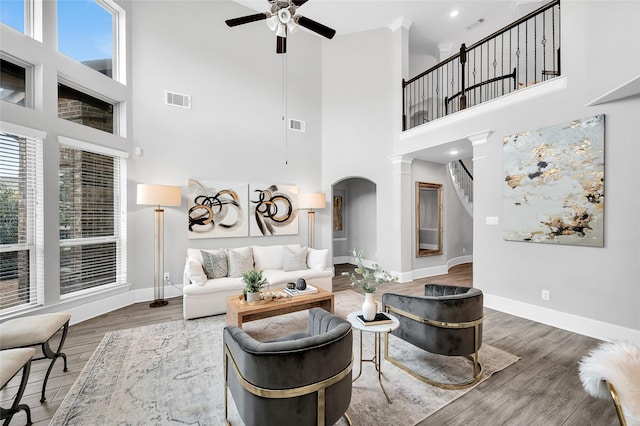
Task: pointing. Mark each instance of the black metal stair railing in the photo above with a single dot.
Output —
(521, 54)
(462, 178)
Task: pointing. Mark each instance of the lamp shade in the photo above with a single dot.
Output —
(159, 195)
(314, 200)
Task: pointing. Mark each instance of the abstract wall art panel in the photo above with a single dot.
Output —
(554, 184)
(273, 210)
(217, 209)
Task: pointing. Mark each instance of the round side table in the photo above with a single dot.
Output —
(378, 330)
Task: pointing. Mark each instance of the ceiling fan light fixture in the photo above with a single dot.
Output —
(292, 26)
(273, 22)
(284, 16)
(281, 31)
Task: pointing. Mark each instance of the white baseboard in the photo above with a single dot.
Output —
(428, 272)
(459, 260)
(565, 321)
(338, 260)
(81, 311)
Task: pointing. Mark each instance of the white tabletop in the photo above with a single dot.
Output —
(379, 328)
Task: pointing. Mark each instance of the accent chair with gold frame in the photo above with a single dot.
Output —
(301, 379)
(447, 320)
(612, 370)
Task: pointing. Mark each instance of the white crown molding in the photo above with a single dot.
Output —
(400, 22)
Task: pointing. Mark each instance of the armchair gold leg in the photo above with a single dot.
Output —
(616, 401)
(477, 371)
(348, 419)
(477, 366)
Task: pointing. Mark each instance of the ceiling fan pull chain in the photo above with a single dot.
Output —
(284, 107)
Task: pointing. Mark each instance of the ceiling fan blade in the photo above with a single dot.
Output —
(316, 27)
(281, 45)
(246, 19)
(299, 3)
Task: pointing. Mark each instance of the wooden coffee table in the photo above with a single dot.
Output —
(239, 312)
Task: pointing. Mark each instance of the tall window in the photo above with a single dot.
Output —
(92, 218)
(20, 222)
(88, 31)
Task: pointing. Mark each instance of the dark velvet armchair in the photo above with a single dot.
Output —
(447, 320)
(302, 379)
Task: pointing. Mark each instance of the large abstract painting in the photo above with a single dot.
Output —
(273, 210)
(554, 184)
(217, 209)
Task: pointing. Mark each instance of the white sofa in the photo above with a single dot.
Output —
(280, 264)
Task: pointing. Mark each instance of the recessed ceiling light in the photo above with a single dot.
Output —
(453, 152)
(454, 13)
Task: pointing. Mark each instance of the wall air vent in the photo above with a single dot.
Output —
(177, 99)
(297, 125)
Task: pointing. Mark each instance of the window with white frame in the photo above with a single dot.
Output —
(23, 15)
(21, 222)
(15, 81)
(82, 108)
(92, 217)
(92, 32)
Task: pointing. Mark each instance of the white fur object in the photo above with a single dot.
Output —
(619, 364)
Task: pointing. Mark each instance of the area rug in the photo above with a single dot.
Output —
(172, 373)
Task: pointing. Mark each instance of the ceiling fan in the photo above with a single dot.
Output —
(282, 19)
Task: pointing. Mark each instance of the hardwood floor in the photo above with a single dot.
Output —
(543, 388)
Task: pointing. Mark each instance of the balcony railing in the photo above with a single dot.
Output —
(523, 53)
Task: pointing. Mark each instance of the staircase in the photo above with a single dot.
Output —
(463, 182)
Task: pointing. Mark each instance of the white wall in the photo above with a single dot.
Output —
(590, 288)
(361, 217)
(232, 133)
(358, 122)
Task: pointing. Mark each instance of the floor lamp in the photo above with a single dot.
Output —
(309, 202)
(159, 195)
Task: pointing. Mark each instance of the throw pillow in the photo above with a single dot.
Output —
(267, 257)
(318, 259)
(240, 261)
(294, 259)
(193, 270)
(214, 263)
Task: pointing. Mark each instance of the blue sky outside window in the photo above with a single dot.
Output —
(85, 33)
(12, 13)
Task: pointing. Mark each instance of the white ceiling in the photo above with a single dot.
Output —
(431, 24)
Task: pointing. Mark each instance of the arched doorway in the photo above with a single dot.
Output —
(354, 221)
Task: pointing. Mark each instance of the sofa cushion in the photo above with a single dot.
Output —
(215, 286)
(240, 261)
(194, 272)
(294, 259)
(267, 257)
(318, 259)
(214, 263)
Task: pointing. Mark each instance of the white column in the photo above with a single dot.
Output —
(402, 226)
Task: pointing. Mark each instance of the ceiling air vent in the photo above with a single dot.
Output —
(475, 24)
(297, 125)
(177, 99)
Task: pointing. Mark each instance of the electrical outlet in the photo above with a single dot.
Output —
(166, 276)
(545, 294)
(464, 250)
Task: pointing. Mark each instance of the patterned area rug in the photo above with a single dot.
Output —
(171, 373)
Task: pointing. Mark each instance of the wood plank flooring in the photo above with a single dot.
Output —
(543, 388)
